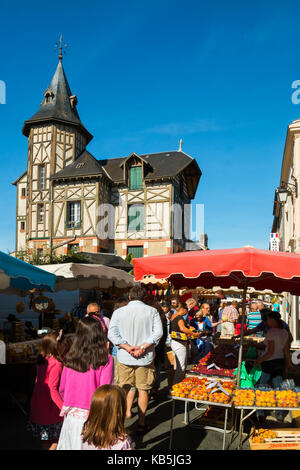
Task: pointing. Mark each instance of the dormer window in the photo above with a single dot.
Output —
(73, 101)
(136, 176)
(135, 168)
(48, 97)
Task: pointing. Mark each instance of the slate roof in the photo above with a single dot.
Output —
(59, 109)
(84, 165)
(160, 165)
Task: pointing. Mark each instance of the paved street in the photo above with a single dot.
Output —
(15, 436)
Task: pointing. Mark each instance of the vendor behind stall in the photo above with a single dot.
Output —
(263, 326)
(180, 330)
(276, 356)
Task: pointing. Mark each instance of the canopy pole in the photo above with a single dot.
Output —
(242, 335)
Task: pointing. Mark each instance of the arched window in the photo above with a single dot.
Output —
(48, 97)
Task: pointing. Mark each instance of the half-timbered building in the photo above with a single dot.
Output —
(69, 199)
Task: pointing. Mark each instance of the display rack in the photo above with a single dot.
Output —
(253, 409)
(226, 406)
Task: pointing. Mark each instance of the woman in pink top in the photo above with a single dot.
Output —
(104, 428)
(46, 403)
(87, 366)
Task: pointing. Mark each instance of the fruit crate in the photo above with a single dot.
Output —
(286, 439)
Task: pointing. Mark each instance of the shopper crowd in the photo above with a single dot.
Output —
(85, 389)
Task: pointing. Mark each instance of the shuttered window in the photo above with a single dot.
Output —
(137, 251)
(135, 177)
(135, 218)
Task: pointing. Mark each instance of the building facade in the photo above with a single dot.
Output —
(68, 199)
(286, 212)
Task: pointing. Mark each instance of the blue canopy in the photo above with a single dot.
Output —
(18, 274)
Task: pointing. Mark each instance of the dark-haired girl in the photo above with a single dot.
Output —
(87, 366)
(45, 421)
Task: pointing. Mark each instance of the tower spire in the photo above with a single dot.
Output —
(60, 46)
(59, 104)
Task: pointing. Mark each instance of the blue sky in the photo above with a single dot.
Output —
(147, 73)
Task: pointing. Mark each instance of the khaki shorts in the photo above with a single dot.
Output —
(141, 377)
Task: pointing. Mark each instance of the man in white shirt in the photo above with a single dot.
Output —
(136, 329)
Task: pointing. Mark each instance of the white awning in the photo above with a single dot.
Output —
(72, 276)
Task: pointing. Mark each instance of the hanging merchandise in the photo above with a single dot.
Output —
(42, 304)
(20, 308)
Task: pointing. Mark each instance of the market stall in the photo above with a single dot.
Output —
(72, 276)
(17, 277)
(242, 268)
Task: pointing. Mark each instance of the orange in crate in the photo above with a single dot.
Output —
(244, 397)
(286, 399)
(265, 398)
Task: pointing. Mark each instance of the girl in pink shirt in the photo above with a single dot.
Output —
(87, 366)
(104, 428)
(45, 422)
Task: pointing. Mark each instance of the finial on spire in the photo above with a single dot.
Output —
(61, 48)
(180, 145)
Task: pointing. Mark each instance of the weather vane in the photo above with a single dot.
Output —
(59, 45)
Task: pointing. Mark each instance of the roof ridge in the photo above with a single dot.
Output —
(148, 154)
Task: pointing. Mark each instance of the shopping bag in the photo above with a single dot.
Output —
(245, 380)
(255, 373)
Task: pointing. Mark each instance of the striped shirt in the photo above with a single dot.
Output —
(253, 319)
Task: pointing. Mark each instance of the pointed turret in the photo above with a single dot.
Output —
(58, 105)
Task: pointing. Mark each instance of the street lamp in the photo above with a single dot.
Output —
(286, 189)
(282, 194)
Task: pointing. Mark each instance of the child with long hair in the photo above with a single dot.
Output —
(87, 366)
(104, 428)
(45, 421)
